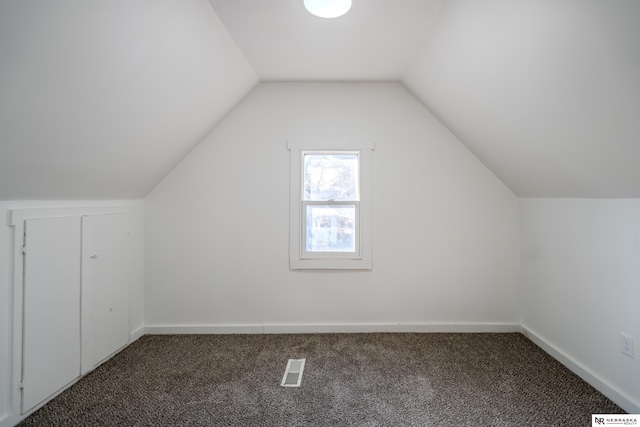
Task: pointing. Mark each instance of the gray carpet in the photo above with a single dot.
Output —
(349, 380)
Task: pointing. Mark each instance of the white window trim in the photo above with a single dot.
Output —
(326, 260)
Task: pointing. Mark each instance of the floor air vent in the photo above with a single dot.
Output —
(293, 373)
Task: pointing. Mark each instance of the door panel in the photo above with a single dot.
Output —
(51, 334)
(105, 297)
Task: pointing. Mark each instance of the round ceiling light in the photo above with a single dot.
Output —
(328, 8)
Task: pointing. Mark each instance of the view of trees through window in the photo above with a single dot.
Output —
(330, 177)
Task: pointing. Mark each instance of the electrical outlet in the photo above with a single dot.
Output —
(626, 344)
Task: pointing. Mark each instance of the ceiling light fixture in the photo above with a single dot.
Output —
(328, 8)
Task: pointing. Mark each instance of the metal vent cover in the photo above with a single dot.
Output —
(293, 373)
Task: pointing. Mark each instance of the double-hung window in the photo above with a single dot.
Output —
(330, 213)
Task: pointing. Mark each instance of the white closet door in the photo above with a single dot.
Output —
(51, 334)
(105, 287)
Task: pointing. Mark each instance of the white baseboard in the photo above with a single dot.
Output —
(313, 328)
(13, 419)
(388, 327)
(7, 421)
(136, 334)
(202, 329)
(619, 398)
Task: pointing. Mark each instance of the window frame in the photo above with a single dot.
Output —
(299, 258)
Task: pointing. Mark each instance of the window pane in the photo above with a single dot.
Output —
(331, 228)
(331, 177)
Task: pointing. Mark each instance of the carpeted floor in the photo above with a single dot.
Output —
(349, 380)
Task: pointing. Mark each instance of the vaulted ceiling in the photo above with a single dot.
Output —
(375, 40)
(546, 93)
(101, 99)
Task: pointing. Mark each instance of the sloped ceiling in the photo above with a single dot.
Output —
(101, 99)
(284, 42)
(546, 93)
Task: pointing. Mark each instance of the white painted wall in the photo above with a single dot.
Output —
(6, 264)
(581, 285)
(445, 229)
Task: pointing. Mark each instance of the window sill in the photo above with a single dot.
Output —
(330, 264)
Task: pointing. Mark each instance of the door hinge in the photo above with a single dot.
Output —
(24, 250)
(21, 384)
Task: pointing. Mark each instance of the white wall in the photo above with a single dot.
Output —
(445, 229)
(6, 265)
(581, 286)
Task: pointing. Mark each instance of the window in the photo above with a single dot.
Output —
(330, 220)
